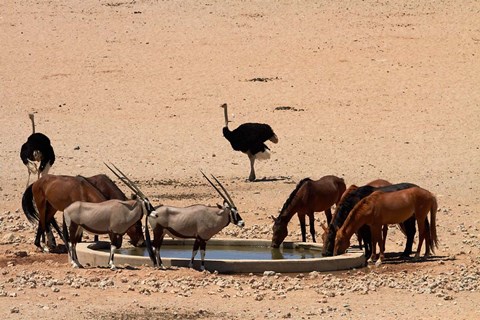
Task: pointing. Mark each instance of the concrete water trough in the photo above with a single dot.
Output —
(229, 256)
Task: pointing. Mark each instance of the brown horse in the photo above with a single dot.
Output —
(382, 208)
(53, 193)
(349, 199)
(361, 232)
(307, 198)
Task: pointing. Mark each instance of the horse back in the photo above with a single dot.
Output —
(61, 191)
(325, 192)
(379, 183)
(398, 206)
(106, 186)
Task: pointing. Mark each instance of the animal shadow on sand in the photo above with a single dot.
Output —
(272, 179)
(397, 258)
(58, 249)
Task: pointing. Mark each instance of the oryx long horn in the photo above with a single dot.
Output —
(215, 187)
(224, 190)
(123, 180)
(131, 182)
(127, 181)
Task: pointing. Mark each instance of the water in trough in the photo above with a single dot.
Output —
(229, 252)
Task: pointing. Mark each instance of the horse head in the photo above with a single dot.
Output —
(280, 232)
(341, 244)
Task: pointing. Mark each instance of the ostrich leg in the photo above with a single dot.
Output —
(252, 169)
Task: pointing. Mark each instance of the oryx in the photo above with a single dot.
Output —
(112, 217)
(197, 222)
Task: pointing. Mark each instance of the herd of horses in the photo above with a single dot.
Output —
(366, 211)
(97, 205)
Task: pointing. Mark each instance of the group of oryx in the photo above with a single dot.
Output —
(116, 216)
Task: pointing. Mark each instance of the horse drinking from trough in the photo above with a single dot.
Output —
(53, 193)
(197, 222)
(350, 198)
(307, 198)
(382, 208)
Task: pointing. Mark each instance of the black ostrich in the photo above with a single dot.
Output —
(249, 138)
(37, 149)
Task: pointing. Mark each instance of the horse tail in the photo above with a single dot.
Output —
(27, 205)
(293, 194)
(148, 242)
(433, 227)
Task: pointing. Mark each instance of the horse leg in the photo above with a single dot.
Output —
(359, 239)
(311, 219)
(328, 215)
(410, 230)
(47, 220)
(365, 234)
(384, 234)
(51, 243)
(252, 176)
(421, 235)
(41, 204)
(39, 235)
(377, 239)
(301, 218)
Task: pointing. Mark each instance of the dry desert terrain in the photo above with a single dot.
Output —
(357, 89)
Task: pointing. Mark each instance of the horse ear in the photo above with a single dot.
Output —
(273, 218)
(219, 206)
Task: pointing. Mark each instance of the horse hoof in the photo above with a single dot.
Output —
(113, 268)
(378, 263)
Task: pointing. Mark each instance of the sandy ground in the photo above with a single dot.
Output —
(374, 89)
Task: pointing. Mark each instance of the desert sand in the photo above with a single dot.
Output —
(358, 89)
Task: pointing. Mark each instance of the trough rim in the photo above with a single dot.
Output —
(352, 259)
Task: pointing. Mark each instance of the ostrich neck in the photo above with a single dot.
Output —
(33, 123)
(226, 116)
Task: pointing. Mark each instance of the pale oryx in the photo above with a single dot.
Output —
(197, 222)
(112, 217)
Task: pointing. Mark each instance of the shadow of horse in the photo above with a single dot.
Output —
(394, 258)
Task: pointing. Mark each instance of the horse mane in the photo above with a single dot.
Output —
(92, 185)
(345, 206)
(117, 193)
(348, 201)
(292, 195)
(365, 202)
